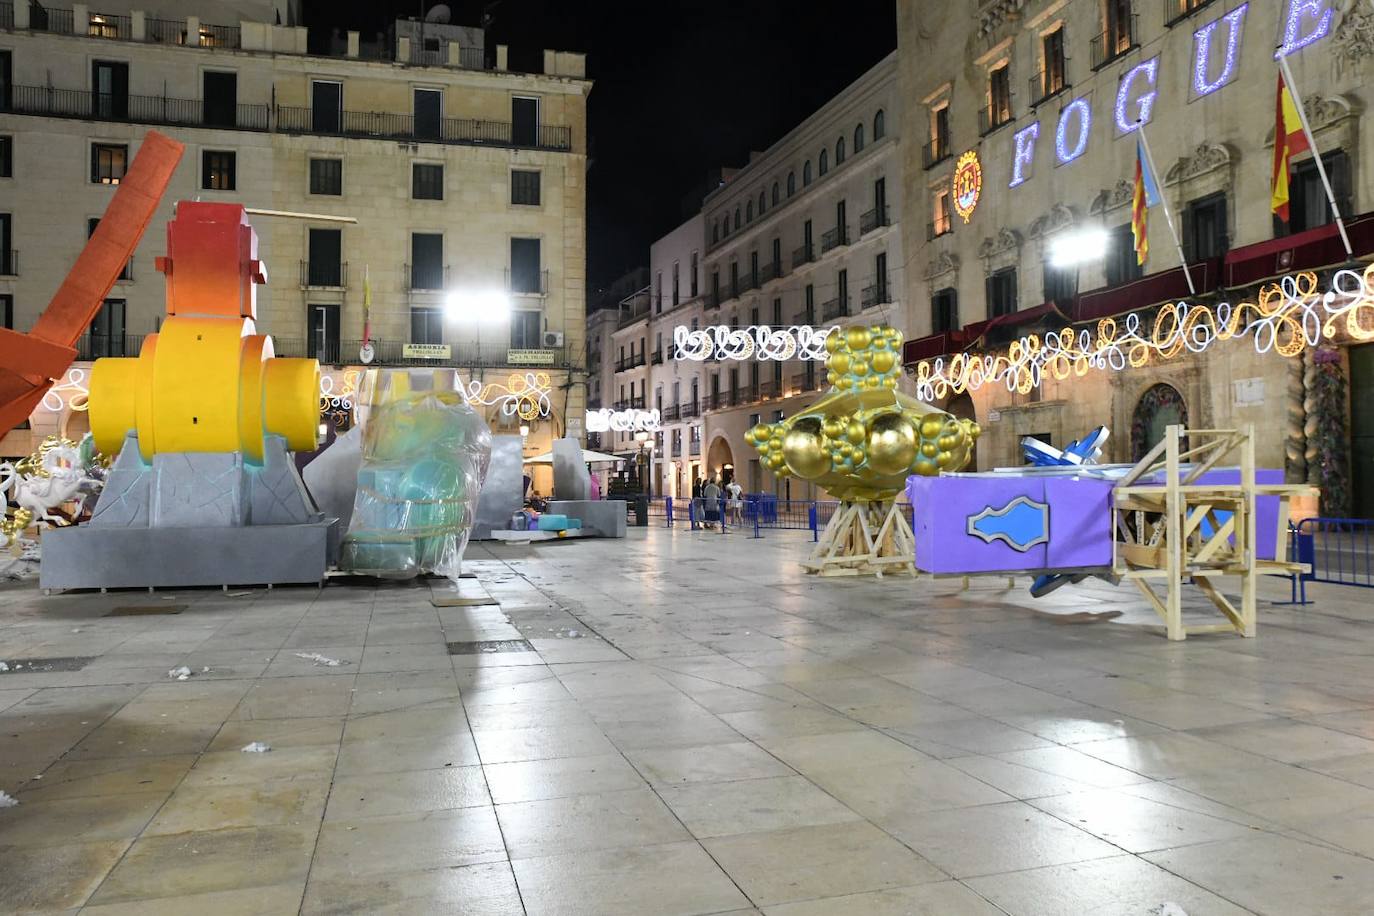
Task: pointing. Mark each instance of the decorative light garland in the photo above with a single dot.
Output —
(1202, 57)
(73, 384)
(1145, 105)
(1062, 148)
(758, 341)
(526, 395)
(1288, 317)
(624, 421)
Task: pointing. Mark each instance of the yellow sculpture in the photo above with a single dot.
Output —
(860, 442)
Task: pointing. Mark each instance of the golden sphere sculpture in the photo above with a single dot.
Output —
(863, 438)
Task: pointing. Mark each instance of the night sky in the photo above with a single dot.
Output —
(680, 88)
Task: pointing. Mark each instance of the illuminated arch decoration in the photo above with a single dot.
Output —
(760, 342)
(525, 395)
(968, 184)
(1287, 317)
(605, 420)
(70, 392)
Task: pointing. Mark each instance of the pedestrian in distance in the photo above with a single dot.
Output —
(710, 495)
(734, 494)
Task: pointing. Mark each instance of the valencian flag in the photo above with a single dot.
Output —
(1146, 196)
(1289, 140)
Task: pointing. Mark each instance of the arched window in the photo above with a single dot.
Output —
(791, 183)
(839, 151)
(775, 193)
(715, 231)
(725, 225)
(879, 125)
(737, 222)
(749, 212)
(1158, 408)
(806, 173)
(858, 139)
(761, 199)
(823, 163)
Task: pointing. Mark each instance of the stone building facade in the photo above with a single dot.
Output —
(1048, 96)
(466, 181)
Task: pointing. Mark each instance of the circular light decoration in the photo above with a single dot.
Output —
(968, 184)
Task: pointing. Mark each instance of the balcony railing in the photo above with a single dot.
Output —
(769, 272)
(142, 109)
(1176, 11)
(769, 389)
(806, 381)
(691, 409)
(9, 262)
(1046, 84)
(1114, 43)
(7, 15)
(872, 219)
(876, 294)
(712, 299)
(834, 308)
(834, 238)
(528, 284)
(936, 228)
(935, 152)
(991, 117)
(425, 277)
(97, 346)
(42, 19)
(218, 36)
(468, 58)
(389, 125)
(324, 274)
(165, 31)
(670, 413)
(104, 25)
(677, 448)
(657, 359)
(487, 355)
(802, 254)
(633, 361)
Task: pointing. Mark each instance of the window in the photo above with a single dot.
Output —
(217, 170)
(715, 289)
(525, 275)
(941, 217)
(880, 275)
(839, 151)
(754, 269)
(325, 251)
(221, 94)
(326, 106)
(426, 326)
(658, 292)
(1122, 266)
(809, 303)
(761, 203)
(127, 274)
(6, 157)
(715, 231)
(109, 89)
(8, 265)
(939, 135)
(426, 181)
(999, 97)
(749, 212)
(692, 280)
(737, 219)
(777, 258)
(1118, 33)
(858, 139)
(426, 260)
(7, 311)
(734, 278)
(1052, 63)
(326, 177)
(1204, 228)
(879, 125)
(107, 330)
(429, 113)
(524, 120)
(6, 79)
(806, 173)
(842, 290)
(823, 162)
(775, 193)
(524, 332)
(677, 285)
(791, 183)
(1001, 292)
(108, 162)
(1307, 204)
(1061, 283)
(524, 187)
(322, 338)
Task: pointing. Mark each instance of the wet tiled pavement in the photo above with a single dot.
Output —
(695, 727)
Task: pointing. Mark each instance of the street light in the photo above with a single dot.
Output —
(489, 305)
(1079, 247)
(645, 458)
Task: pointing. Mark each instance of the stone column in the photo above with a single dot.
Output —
(81, 19)
(138, 25)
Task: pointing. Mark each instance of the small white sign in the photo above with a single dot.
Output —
(426, 351)
(994, 416)
(1249, 391)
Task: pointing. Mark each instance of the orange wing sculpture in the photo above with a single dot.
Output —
(31, 363)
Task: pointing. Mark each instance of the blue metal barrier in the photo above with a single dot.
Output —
(1339, 550)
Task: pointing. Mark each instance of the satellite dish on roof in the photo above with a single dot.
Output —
(439, 13)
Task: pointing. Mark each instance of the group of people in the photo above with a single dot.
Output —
(718, 503)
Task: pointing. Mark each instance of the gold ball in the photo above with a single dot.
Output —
(845, 383)
(926, 468)
(839, 362)
(883, 361)
(750, 437)
(858, 338)
(857, 456)
(805, 451)
(930, 450)
(943, 460)
(761, 431)
(831, 376)
(855, 432)
(832, 342)
(931, 426)
(859, 367)
(891, 444)
(890, 381)
(833, 427)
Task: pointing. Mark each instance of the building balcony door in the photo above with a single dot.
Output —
(322, 342)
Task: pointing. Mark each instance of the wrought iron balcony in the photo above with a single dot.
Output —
(425, 277)
(658, 358)
(834, 238)
(942, 226)
(1175, 11)
(803, 254)
(324, 274)
(1046, 84)
(835, 308)
(874, 294)
(140, 109)
(671, 413)
(991, 117)
(935, 152)
(872, 219)
(769, 272)
(1115, 42)
(9, 262)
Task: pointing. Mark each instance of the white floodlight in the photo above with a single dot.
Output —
(1079, 247)
(483, 305)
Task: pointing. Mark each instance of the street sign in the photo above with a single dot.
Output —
(426, 351)
(529, 357)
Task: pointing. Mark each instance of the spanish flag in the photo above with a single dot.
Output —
(1146, 196)
(1289, 140)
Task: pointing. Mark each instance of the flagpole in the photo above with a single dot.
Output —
(1150, 161)
(1316, 153)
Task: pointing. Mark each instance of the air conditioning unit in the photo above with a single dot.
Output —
(553, 339)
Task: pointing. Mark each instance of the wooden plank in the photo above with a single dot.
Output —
(1223, 605)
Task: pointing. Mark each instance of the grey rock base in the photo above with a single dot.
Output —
(503, 490)
(600, 517)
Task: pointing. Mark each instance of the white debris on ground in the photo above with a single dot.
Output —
(257, 747)
(4, 667)
(319, 659)
(7, 800)
(180, 674)
(1168, 908)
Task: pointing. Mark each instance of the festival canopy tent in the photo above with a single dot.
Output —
(588, 457)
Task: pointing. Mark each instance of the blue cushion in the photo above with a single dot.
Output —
(553, 522)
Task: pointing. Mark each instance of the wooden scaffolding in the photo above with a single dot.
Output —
(865, 539)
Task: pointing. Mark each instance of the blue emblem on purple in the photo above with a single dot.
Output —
(1021, 524)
